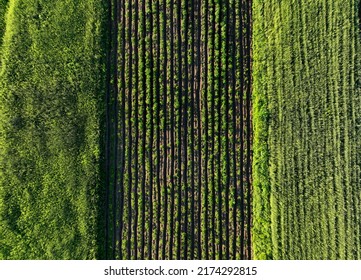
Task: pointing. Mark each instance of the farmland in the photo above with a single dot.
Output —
(179, 131)
(125, 130)
(190, 129)
(306, 91)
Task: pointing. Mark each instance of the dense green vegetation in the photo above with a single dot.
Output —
(51, 91)
(180, 130)
(306, 106)
(3, 7)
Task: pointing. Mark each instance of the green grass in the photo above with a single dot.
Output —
(50, 118)
(3, 8)
(262, 243)
(306, 106)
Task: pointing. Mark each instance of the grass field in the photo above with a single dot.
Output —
(51, 91)
(307, 114)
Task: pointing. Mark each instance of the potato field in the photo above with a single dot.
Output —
(178, 139)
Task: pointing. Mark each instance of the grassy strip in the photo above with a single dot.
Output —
(261, 232)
